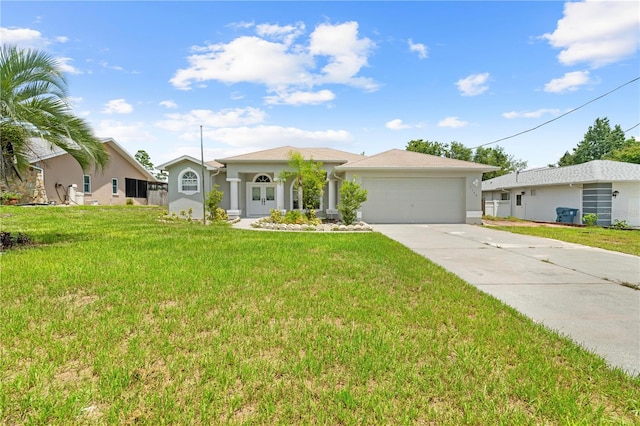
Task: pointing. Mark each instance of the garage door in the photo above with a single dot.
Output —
(414, 200)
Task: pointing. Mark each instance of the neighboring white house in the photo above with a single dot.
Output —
(610, 189)
(403, 186)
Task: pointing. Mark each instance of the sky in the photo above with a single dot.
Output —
(363, 77)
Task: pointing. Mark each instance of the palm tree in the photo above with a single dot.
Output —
(33, 104)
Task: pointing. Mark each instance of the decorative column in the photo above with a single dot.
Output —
(280, 194)
(332, 197)
(233, 211)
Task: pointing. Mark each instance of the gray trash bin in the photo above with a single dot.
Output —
(566, 214)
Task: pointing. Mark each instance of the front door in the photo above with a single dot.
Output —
(262, 198)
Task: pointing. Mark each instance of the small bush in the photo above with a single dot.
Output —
(620, 224)
(590, 219)
(352, 197)
(129, 201)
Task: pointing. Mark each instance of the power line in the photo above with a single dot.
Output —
(632, 127)
(562, 115)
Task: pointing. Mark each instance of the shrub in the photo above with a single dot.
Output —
(351, 198)
(215, 213)
(620, 224)
(590, 219)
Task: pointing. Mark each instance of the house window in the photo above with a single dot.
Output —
(533, 192)
(505, 196)
(114, 186)
(135, 188)
(317, 202)
(188, 182)
(86, 184)
(518, 199)
(262, 179)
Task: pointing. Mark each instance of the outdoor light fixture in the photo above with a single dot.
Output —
(615, 193)
(523, 192)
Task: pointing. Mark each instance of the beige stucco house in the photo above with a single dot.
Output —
(124, 178)
(402, 186)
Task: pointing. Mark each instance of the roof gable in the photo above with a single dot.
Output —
(281, 154)
(42, 150)
(210, 165)
(403, 159)
(593, 171)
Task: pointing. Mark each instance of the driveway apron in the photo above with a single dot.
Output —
(575, 290)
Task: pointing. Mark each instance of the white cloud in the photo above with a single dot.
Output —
(261, 137)
(25, 38)
(207, 118)
(346, 54)
(301, 98)
(169, 104)
(419, 48)
(117, 106)
(62, 39)
(123, 132)
(531, 114)
(570, 82)
(66, 67)
(396, 124)
(287, 33)
(596, 32)
(282, 65)
(473, 85)
(453, 122)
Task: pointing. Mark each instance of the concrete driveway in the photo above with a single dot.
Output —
(573, 289)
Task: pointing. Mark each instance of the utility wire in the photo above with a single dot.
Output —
(562, 115)
(631, 128)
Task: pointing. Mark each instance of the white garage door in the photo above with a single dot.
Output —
(414, 200)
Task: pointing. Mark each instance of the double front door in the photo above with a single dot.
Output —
(262, 198)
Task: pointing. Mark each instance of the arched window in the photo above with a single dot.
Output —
(262, 179)
(188, 182)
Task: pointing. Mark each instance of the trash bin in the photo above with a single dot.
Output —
(566, 214)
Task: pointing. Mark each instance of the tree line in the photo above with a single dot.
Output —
(600, 142)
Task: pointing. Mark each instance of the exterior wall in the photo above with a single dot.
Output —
(63, 171)
(626, 205)
(181, 202)
(541, 204)
(538, 203)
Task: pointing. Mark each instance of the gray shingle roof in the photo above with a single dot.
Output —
(593, 171)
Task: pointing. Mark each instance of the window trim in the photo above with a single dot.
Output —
(180, 183)
(86, 184)
(114, 186)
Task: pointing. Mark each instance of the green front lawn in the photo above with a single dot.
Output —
(624, 241)
(113, 317)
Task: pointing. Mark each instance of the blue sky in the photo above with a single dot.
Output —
(357, 76)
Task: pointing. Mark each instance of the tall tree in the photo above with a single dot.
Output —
(427, 147)
(495, 156)
(599, 141)
(460, 152)
(491, 156)
(629, 153)
(34, 104)
(145, 159)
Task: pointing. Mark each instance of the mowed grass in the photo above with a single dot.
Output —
(624, 241)
(113, 317)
